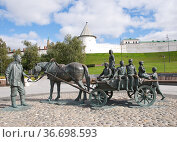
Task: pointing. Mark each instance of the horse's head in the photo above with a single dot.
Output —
(41, 67)
(36, 71)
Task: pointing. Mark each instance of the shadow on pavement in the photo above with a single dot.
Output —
(110, 103)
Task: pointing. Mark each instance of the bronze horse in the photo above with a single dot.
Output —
(70, 72)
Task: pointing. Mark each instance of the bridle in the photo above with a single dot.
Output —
(47, 67)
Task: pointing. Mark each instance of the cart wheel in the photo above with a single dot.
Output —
(109, 94)
(130, 94)
(145, 96)
(97, 98)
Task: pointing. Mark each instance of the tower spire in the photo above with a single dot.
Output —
(86, 31)
(48, 42)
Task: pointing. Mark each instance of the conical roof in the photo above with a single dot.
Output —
(86, 31)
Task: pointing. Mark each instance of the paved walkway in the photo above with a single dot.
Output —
(40, 87)
(119, 111)
(43, 87)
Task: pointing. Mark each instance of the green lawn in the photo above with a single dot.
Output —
(150, 60)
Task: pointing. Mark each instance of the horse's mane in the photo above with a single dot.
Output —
(60, 65)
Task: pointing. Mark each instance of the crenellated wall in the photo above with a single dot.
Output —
(142, 47)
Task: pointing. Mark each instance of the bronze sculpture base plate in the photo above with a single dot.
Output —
(103, 107)
(19, 108)
(48, 102)
(65, 102)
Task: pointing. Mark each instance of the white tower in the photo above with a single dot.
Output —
(88, 39)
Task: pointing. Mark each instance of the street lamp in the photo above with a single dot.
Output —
(168, 48)
(1, 67)
(164, 62)
(121, 48)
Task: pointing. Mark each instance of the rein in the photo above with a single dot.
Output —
(37, 79)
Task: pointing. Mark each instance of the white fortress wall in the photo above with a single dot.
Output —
(136, 48)
(151, 47)
(105, 47)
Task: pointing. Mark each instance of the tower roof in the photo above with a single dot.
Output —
(86, 31)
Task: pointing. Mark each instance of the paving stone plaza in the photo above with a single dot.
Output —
(120, 111)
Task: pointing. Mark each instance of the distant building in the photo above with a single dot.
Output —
(130, 41)
(88, 39)
(40, 51)
(127, 45)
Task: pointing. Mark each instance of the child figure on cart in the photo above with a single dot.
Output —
(106, 74)
(142, 72)
(132, 75)
(120, 74)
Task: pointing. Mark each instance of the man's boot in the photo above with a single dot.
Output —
(163, 97)
(118, 85)
(126, 84)
(131, 84)
(22, 98)
(13, 101)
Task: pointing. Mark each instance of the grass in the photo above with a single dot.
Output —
(150, 60)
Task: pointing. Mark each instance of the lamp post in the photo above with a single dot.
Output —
(164, 62)
(168, 48)
(1, 67)
(121, 48)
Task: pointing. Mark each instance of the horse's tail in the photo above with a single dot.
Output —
(87, 77)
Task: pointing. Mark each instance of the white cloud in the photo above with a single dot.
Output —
(24, 12)
(15, 41)
(105, 17)
(30, 35)
(165, 17)
(159, 36)
(131, 31)
(109, 18)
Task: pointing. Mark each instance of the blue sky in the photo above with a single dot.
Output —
(36, 20)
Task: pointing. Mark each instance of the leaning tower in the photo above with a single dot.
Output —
(88, 39)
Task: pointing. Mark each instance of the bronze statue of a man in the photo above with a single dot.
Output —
(15, 78)
(111, 61)
(106, 74)
(121, 74)
(142, 72)
(156, 84)
(132, 74)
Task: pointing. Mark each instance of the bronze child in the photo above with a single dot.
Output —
(142, 72)
(156, 84)
(132, 74)
(121, 74)
(106, 74)
(111, 62)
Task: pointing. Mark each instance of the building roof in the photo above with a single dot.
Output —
(86, 31)
(130, 39)
(153, 41)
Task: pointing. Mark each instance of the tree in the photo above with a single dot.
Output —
(70, 50)
(4, 60)
(30, 57)
(50, 53)
(17, 52)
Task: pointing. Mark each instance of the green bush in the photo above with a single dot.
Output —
(90, 65)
